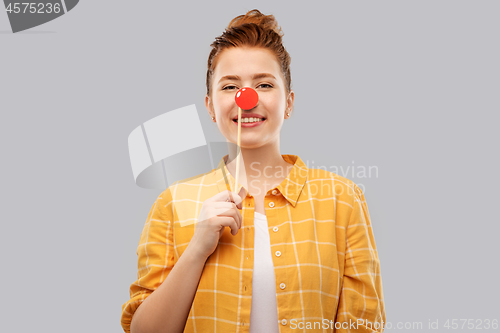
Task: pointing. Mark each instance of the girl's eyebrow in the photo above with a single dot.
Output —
(255, 76)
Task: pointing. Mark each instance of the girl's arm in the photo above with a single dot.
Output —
(167, 308)
(361, 304)
(163, 294)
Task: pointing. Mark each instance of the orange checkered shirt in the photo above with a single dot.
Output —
(323, 248)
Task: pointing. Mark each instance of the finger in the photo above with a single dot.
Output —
(221, 196)
(227, 196)
(233, 197)
(219, 208)
(231, 223)
(234, 213)
(228, 205)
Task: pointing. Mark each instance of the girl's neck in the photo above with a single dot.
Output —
(259, 167)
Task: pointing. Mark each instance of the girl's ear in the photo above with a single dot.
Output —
(291, 99)
(207, 102)
(289, 102)
(210, 107)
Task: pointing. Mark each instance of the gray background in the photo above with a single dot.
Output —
(410, 87)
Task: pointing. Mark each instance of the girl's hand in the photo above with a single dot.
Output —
(216, 214)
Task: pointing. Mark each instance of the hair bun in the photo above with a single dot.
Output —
(253, 29)
(266, 22)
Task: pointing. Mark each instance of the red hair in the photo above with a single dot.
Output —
(256, 30)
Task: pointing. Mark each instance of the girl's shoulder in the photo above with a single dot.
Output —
(333, 184)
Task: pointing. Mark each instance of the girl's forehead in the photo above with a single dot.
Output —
(246, 61)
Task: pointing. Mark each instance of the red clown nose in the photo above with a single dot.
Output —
(246, 98)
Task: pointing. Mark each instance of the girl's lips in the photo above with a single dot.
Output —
(249, 124)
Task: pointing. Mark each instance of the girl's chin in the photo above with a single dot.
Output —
(250, 144)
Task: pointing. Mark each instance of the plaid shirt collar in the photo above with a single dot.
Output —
(290, 188)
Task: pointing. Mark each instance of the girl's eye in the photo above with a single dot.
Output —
(264, 85)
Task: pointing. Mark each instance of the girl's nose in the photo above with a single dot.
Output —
(246, 98)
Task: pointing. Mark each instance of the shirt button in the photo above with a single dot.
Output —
(283, 322)
(277, 253)
(274, 192)
(271, 204)
(275, 229)
(282, 286)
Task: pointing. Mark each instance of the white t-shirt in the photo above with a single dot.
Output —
(264, 311)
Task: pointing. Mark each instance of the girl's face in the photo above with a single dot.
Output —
(256, 68)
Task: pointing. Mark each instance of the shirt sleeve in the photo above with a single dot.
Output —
(155, 254)
(361, 305)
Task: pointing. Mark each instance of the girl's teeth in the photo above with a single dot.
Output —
(250, 120)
